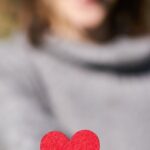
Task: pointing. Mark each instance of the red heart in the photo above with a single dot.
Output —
(82, 140)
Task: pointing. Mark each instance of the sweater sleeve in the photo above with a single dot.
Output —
(24, 114)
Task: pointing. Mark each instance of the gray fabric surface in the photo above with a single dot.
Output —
(47, 89)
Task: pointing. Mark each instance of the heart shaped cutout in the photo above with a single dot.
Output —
(82, 140)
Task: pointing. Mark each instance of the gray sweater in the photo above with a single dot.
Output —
(69, 86)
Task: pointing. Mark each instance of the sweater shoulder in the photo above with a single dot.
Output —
(17, 69)
(13, 54)
(16, 65)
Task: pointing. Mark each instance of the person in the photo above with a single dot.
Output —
(77, 64)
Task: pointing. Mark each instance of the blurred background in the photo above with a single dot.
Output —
(8, 16)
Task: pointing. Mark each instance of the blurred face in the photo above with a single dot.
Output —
(81, 14)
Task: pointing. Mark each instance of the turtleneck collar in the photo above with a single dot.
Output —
(121, 55)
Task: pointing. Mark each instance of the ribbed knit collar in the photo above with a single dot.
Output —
(123, 53)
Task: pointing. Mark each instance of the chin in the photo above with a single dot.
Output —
(90, 19)
(91, 22)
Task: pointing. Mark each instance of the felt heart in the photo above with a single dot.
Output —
(82, 140)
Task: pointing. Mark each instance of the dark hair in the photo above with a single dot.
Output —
(127, 17)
